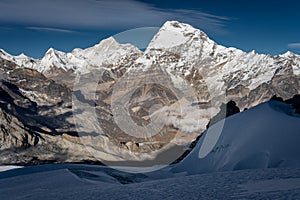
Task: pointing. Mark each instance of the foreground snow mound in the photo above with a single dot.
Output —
(267, 136)
(92, 182)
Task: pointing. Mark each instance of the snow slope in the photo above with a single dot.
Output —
(86, 182)
(266, 136)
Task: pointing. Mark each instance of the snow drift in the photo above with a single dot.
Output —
(266, 136)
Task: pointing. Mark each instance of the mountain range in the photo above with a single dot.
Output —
(107, 103)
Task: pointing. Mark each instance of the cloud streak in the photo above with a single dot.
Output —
(294, 45)
(92, 14)
(49, 29)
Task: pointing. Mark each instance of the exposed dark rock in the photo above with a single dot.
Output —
(294, 102)
(227, 110)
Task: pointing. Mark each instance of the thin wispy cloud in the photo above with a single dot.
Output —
(294, 45)
(92, 14)
(49, 29)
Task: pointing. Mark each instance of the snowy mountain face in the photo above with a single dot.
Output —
(106, 52)
(222, 68)
(181, 79)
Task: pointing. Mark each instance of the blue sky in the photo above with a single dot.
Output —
(33, 26)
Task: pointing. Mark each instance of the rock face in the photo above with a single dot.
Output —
(36, 118)
(113, 102)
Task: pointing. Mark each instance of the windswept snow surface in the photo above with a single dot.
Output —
(267, 136)
(92, 182)
(255, 157)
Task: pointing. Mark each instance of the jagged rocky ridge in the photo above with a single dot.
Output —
(36, 110)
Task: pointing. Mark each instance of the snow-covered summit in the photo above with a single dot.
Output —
(294, 60)
(289, 54)
(173, 34)
(107, 51)
(53, 58)
(183, 39)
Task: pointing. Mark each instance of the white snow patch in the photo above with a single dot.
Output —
(8, 167)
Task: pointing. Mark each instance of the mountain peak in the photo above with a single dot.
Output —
(182, 28)
(111, 43)
(174, 33)
(288, 54)
(109, 40)
(176, 25)
(76, 50)
(53, 54)
(51, 51)
(21, 56)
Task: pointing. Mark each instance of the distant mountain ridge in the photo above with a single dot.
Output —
(108, 51)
